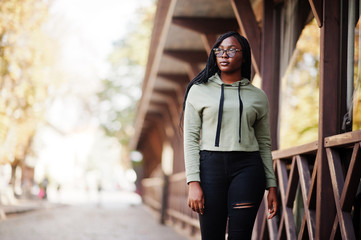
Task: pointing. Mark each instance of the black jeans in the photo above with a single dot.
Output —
(233, 185)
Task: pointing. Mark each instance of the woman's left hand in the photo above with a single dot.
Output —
(272, 202)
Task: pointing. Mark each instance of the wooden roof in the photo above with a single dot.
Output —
(183, 34)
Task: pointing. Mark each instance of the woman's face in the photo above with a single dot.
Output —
(230, 64)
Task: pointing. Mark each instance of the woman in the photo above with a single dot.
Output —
(227, 143)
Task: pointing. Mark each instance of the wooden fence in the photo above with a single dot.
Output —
(296, 170)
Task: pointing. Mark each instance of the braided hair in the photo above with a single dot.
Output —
(212, 67)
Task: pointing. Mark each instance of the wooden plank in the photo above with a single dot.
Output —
(303, 229)
(183, 217)
(317, 10)
(335, 233)
(292, 184)
(260, 222)
(287, 211)
(177, 177)
(207, 25)
(272, 228)
(290, 152)
(344, 219)
(247, 21)
(281, 229)
(313, 187)
(305, 182)
(337, 178)
(352, 179)
(343, 139)
(347, 198)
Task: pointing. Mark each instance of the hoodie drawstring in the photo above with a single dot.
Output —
(240, 112)
(220, 114)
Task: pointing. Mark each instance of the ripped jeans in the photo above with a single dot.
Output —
(233, 185)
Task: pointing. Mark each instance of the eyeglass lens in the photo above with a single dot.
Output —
(230, 52)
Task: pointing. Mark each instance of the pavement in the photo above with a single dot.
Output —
(102, 220)
(23, 206)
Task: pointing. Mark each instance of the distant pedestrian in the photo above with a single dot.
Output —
(44, 186)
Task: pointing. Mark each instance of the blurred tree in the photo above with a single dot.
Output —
(25, 57)
(300, 91)
(300, 88)
(122, 89)
(357, 82)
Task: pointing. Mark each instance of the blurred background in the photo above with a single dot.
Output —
(70, 78)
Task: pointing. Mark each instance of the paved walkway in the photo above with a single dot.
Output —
(86, 222)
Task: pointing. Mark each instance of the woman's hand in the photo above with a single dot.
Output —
(195, 197)
(272, 202)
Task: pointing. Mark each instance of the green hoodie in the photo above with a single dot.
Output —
(204, 129)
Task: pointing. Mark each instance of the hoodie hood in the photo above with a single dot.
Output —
(217, 79)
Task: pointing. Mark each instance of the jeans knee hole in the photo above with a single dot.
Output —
(243, 205)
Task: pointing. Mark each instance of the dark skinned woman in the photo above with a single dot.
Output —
(227, 143)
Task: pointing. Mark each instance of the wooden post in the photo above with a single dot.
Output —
(270, 63)
(164, 207)
(329, 114)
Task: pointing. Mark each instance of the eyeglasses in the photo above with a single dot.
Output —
(230, 52)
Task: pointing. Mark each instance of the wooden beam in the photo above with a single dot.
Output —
(188, 56)
(193, 70)
(317, 10)
(169, 120)
(305, 183)
(163, 18)
(287, 214)
(169, 94)
(352, 179)
(343, 139)
(168, 110)
(344, 218)
(329, 117)
(207, 25)
(290, 152)
(181, 79)
(247, 21)
(173, 103)
(292, 184)
(209, 40)
(270, 63)
(175, 77)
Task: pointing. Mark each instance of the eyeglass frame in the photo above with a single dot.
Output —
(227, 51)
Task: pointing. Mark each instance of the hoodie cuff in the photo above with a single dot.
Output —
(270, 182)
(193, 178)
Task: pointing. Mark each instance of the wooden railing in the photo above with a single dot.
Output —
(296, 171)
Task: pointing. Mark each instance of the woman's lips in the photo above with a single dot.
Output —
(224, 63)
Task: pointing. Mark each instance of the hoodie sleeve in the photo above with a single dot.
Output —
(262, 132)
(192, 127)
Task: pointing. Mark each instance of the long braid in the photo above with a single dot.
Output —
(212, 67)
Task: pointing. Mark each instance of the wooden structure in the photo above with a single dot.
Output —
(326, 172)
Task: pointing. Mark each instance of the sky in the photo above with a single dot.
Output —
(88, 28)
